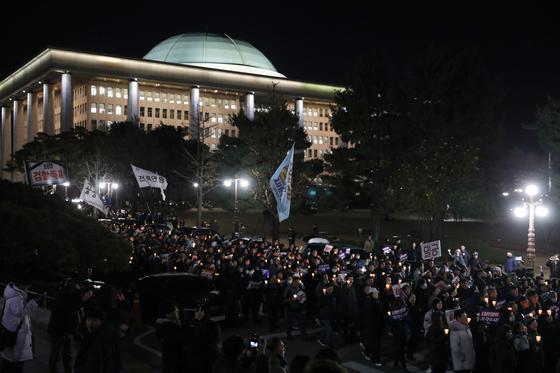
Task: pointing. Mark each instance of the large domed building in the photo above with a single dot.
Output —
(195, 80)
(215, 52)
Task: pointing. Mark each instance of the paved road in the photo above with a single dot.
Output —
(141, 350)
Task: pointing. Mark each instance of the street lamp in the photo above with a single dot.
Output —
(66, 185)
(531, 207)
(244, 184)
(111, 186)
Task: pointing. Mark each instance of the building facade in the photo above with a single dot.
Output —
(195, 81)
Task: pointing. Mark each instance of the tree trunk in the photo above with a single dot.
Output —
(436, 227)
(375, 217)
(271, 224)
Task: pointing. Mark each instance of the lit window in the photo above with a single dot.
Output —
(213, 118)
(93, 90)
(118, 110)
(213, 102)
(142, 93)
(220, 119)
(205, 99)
(101, 91)
(226, 104)
(117, 92)
(93, 108)
(101, 108)
(110, 109)
(163, 97)
(219, 102)
(315, 112)
(125, 93)
(149, 96)
(232, 104)
(178, 98)
(185, 100)
(109, 91)
(171, 99)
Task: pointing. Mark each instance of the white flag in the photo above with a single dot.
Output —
(90, 196)
(150, 179)
(281, 185)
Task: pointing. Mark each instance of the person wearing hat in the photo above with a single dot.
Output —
(16, 318)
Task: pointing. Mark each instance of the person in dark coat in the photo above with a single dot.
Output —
(504, 360)
(374, 320)
(203, 348)
(63, 324)
(327, 311)
(232, 351)
(173, 337)
(437, 341)
(99, 351)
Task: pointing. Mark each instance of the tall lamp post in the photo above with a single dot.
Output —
(244, 184)
(531, 207)
(66, 185)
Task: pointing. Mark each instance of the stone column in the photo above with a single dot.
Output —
(30, 119)
(299, 111)
(194, 119)
(16, 127)
(250, 106)
(66, 103)
(133, 111)
(4, 136)
(48, 109)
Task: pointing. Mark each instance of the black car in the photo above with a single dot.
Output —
(188, 290)
(197, 232)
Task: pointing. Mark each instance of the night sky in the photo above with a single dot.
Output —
(314, 41)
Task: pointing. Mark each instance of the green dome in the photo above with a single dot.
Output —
(213, 51)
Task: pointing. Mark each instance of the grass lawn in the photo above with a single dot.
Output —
(491, 239)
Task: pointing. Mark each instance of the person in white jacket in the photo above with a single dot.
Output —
(17, 309)
(461, 342)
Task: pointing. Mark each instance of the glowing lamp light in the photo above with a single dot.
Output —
(541, 211)
(520, 212)
(102, 185)
(66, 184)
(532, 190)
(195, 185)
(227, 182)
(244, 183)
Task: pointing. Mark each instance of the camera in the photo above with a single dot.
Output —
(254, 341)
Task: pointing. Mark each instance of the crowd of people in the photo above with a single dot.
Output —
(465, 313)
